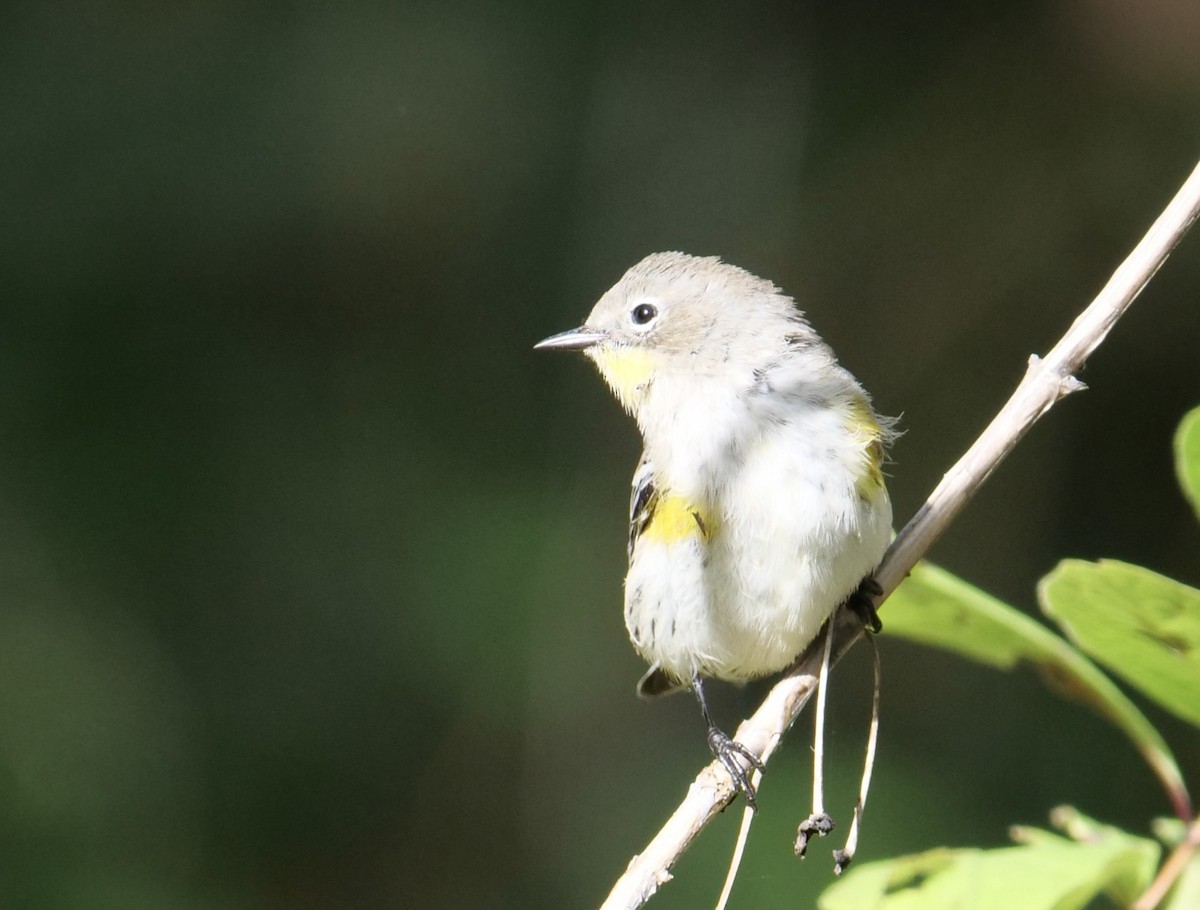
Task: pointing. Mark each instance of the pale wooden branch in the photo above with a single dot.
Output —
(1046, 381)
(1171, 870)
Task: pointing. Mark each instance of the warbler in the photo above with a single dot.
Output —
(759, 503)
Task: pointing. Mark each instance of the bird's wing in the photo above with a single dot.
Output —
(642, 500)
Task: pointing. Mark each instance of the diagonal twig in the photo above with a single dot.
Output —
(1171, 870)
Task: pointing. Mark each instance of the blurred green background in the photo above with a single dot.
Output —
(312, 568)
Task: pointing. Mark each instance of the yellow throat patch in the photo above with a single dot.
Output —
(626, 370)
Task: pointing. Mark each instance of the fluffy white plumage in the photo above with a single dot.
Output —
(759, 504)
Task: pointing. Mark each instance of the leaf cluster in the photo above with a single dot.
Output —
(1140, 627)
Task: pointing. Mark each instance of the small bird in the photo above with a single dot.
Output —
(759, 502)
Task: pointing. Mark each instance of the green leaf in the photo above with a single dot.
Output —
(1169, 829)
(1143, 626)
(1050, 873)
(1130, 880)
(1187, 457)
(936, 608)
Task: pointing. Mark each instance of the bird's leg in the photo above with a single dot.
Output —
(728, 751)
(819, 823)
(862, 603)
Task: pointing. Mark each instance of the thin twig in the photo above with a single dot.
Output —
(818, 799)
(1171, 869)
(739, 845)
(843, 857)
(1046, 381)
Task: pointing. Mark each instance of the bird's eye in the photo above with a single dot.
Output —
(643, 313)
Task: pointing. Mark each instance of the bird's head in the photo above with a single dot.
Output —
(685, 317)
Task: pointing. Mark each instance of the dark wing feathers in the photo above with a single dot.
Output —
(642, 501)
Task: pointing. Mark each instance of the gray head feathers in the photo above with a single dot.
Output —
(702, 309)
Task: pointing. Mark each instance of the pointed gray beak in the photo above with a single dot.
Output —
(571, 340)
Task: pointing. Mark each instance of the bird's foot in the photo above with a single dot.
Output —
(730, 753)
(862, 603)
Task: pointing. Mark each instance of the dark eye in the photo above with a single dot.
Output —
(643, 313)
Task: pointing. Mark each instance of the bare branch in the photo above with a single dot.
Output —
(1171, 870)
(1046, 381)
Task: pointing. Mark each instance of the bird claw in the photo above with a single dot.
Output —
(729, 752)
(862, 603)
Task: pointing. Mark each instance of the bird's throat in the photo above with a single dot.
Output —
(626, 370)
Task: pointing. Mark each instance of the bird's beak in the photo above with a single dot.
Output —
(571, 340)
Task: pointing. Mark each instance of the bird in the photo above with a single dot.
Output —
(759, 503)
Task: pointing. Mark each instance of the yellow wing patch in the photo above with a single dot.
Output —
(663, 517)
(863, 423)
(675, 519)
